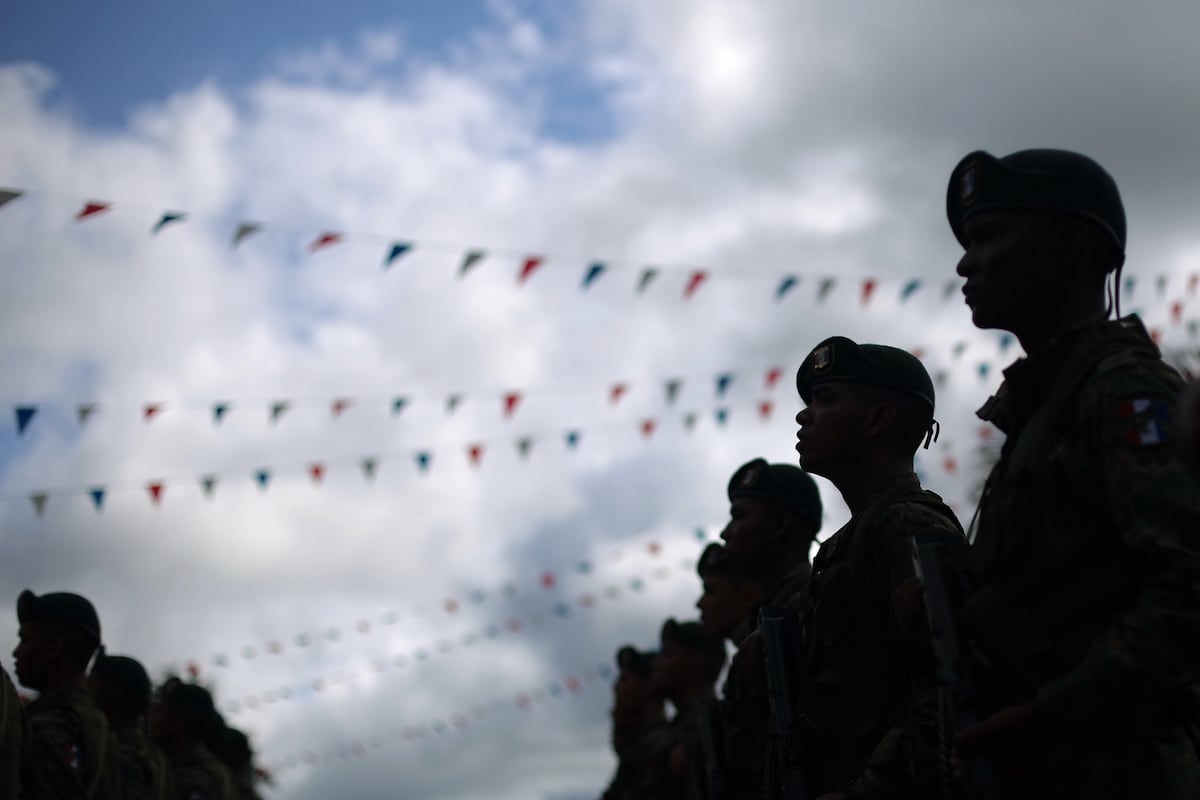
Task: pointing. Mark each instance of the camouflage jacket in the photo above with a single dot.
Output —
(639, 753)
(12, 730)
(143, 766)
(1086, 569)
(69, 751)
(867, 692)
(198, 775)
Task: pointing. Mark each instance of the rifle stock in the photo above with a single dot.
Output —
(785, 778)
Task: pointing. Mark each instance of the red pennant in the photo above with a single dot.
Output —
(573, 685)
(586, 600)
(764, 409)
(324, 240)
(648, 426)
(1176, 311)
(193, 670)
(918, 353)
(527, 269)
(693, 283)
(513, 625)
(523, 702)
(340, 405)
(654, 548)
(773, 376)
(451, 606)
(511, 401)
(868, 289)
(548, 580)
(150, 410)
(985, 431)
(617, 391)
(475, 454)
(316, 471)
(91, 208)
(1156, 335)
(950, 465)
(155, 489)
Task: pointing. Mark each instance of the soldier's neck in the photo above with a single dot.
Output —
(688, 696)
(860, 488)
(1071, 312)
(66, 679)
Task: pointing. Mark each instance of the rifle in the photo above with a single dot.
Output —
(958, 698)
(784, 778)
(714, 765)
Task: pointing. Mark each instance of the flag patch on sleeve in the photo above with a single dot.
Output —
(74, 757)
(1147, 421)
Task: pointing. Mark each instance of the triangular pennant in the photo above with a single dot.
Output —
(326, 239)
(1006, 341)
(150, 410)
(338, 406)
(278, 409)
(166, 219)
(316, 471)
(950, 288)
(722, 416)
(1193, 281)
(208, 485)
(773, 376)
(397, 249)
(594, 272)
(786, 285)
(1177, 311)
(8, 195)
(1193, 328)
(723, 382)
(648, 426)
(97, 494)
(155, 488)
(528, 268)
(984, 369)
(689, 421)
(959, 349)
(918, 353)
(648, 275)
(523, 446)
(475, 454)
(1130, 284)
(909, 289)
(824, 288)
(617, 391)
(701, 535)
(1156, 335)
(1160, 284)
(940, 377)
(91, 209)
(950, 464)
(423, 459)
(452, 403)
(262, 477)
(764, 409)
(84, 412)
(511, 401)
(219, 412)
(244, 230)
(471, 258)
(694, 281)
(868, 289)
(38, 498)
(572, 438)
(25, 415)
(369, 465)
(673, 387)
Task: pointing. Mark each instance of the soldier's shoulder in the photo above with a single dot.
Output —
(916, 514)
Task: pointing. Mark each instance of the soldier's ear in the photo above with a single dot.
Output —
(879, 420)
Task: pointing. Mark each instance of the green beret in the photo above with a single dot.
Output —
(126, 674)
(691, 636)
(1057, 180)
(63, 608)
(639, 662)
(840, 360)
(785, 484)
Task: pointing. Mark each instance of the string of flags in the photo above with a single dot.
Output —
(548, 581)
(470, 258)
(570, 686)
(511, 626)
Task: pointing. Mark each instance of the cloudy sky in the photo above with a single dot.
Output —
(445, 633)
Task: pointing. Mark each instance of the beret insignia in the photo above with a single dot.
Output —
(968, 183)
(822, 358)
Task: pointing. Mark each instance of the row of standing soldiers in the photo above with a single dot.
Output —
(106, 733)
(1051, 651)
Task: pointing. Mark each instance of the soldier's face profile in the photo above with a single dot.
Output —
(830, 429)
(35, 651)
(1009, 266)
(747, 534)
(723, 605)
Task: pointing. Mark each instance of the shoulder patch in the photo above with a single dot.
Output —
(74, 756)
(1145, 421)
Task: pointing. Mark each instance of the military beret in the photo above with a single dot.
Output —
(639, 662)
(785, 484)
(715, 561)
(1052, 180)
(840, 360)
(63, 608)
(126, 674)
(691, 635)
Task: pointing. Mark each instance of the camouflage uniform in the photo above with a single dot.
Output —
(198, 775)
(866, 693)
(143, 766)
(69, 751)
(638, 750)
(745, 707)
(1087, 597)
(11, 735)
